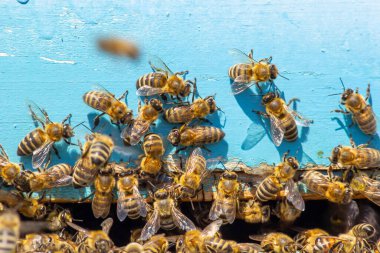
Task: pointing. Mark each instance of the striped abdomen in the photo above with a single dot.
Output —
(363, 230)
(240, 69)
(312, 180)
(166, 222)
(60, 170)
(155, 79)
(268, 189)
(153, 145)
(204, 135)
(98, 100)
(101, 204)
(290, 126)
(8, 240)
(132, 205)
(84, 173)
(31, 142)
(99, 153)
(178, 114)
(197, 164)
(366, 120)
(215, 244)
(368, 158)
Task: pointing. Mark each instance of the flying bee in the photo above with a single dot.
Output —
(9, 171)
(366, 186)
(356, 105)
(283, 120)
(140, 126)
(40, 141)
(95, 155)
(165, 215)
(227, 197)
(104, 184)
(154, 149)
(119, 47)
(9, 230)
(163, 81)
(197, 136)
(56, 176)
(251, 72)
(94, 240)
(306, 239)
(130, 202)
(104, 101)
(276, 242)
(333, 190)
(253, 211)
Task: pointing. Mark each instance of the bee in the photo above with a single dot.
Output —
(163, 81)
(333, 190)
(356, 105)
(140, 126)
(156, 244)
(283, 120)
(253, 211)
(286, 211)
(276, 242)
(282, 179)
(44, 243)
(9, 230)
(95, 155)
(227, 197)
(57, 220)
(130, 202)
(251, 72)
(56, 176)
(154, 149)
(199, 109)
(104, 185)
(9, 171)
(40, 141)
(165, 215)
(104, 101)
(196, 136)
(366, 186)
(119, 46)
(94, 240)
(306, 239)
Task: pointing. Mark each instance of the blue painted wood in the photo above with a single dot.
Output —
(48, 55)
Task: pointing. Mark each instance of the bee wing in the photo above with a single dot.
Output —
(257, 238)
(172, 165)
(372, 191)
(141, 200)
(191, 162)
(148, 91)
(215, 210)
(240, 56)
(159, 64)
(106, 225)
(318, 180)
(293, 195)
(248, 247)
(151, 227)
(76, 227)
(300, 120)
(121, 211)
(212, 228)
(229, 212)
(241, 83)
(39, 112)
(276, 130)
(40, 155)
(65, 180)
(135, 131)
(181, 221)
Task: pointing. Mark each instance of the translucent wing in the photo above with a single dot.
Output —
(215, 210)
(172, 165)
(276, 130)
(293, 195)
(257, 238)
(181, 221)
(255, 134)
(141, 201)
(241, 83)
(151, 227)
(40, 155)
(159, 65)
(76, 227)
(148, 91)
(319, 182)
(133, 133)
(300, 120)
(106, 225)
(212, 228)
(37, 112)
(195, 159)
(372, 191)
(121, 211)
(240, 56)
(229, 210)
(65, 180)
(250, 247)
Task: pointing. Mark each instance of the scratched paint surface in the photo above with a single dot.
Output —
(48, 55)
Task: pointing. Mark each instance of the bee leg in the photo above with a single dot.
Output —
(357, 90)
(180, 149)
(259, 87)
(56, 152)
(205, 120)
(182, 73)
(261, 113)
(341, 111)
(123, 95)
(352, 142)
(85, 198)
(66, 119)
(337, 247)
(36, 118)
(292, 101)
(204, 147)
(368, 92)
(97, 120)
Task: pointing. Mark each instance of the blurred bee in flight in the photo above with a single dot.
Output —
(9, 171)
(40, 141)
(104, 101)
(147, 115)
(251, 72)
(119, 47)
(361, 112)
(163, 81)
(283, 120)
(151, 162)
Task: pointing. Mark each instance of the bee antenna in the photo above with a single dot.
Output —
(89, 129)
(334, 94)
(283, 76)
(341, 81)
(78, 125)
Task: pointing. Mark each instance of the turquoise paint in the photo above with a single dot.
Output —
(313, 43)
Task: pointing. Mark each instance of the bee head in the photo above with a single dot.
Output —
(273, 71)
(335, 155)
(267, 98)
(186, 89)
(103, 245)
(41, 211)
(210, 100)
(346, 94)
(67, 131)
(229, 175)
(65, 215)
(292, 161)
(127, 117)
(161, 194)
(174, 137)
(156, 104)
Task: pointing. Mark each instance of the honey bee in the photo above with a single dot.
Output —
(104, 101)
(163, 81)
(9, 230)
(196, 136)
(56, 176)
(57, 220)
(276, 242)
(333, 190)
(154, 149)
(94, 240)
(199, 109)
(165, 215)
(104, 185)
(283, 120)
(156, 244)
(253, 211)
(286, 211)
(140, 126)
(40, 141)
(120, 47)
(130, 202)
(45, 243)
(251, 72)
(306, 239)
(227, 197)
(366, 186)
(9, 171)
(95, 155)
(356, 105)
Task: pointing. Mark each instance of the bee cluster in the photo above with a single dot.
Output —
(171, 179)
